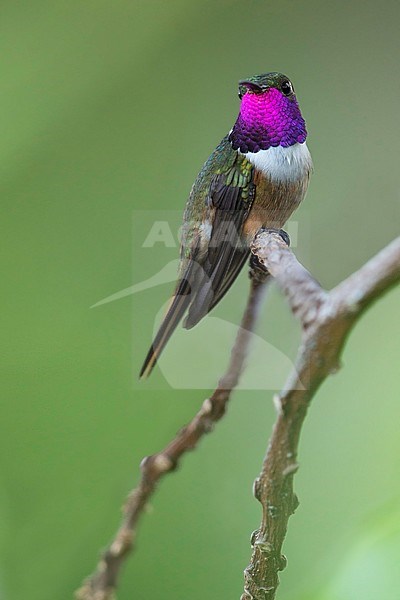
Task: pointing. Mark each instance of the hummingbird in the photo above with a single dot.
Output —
(255, 178)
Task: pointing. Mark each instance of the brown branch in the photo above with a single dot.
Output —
(326, 319)
(103, 582)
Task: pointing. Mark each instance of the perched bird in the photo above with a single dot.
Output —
(256, 177)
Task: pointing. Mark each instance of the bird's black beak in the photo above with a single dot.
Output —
(251, 85)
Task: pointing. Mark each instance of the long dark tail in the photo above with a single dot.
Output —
(179, 303)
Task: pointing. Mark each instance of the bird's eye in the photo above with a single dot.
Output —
(286, 88)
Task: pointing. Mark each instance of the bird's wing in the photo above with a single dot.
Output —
(230, 198)
(207, 275)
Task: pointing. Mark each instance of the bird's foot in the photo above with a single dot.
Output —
(281, 232)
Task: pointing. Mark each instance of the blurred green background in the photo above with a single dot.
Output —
(108, 108)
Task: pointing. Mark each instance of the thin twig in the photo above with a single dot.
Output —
(102, 583)
(326, 318)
